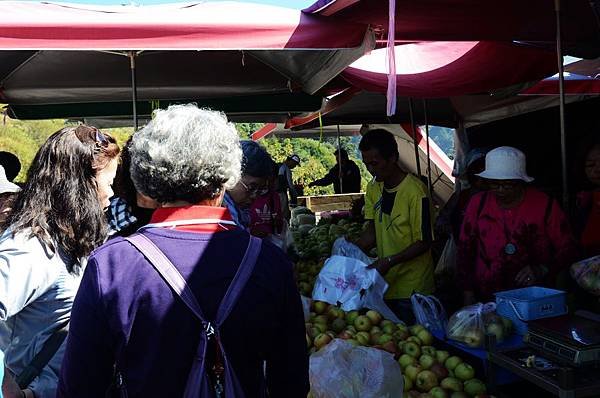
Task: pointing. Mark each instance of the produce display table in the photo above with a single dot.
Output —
(514, 341)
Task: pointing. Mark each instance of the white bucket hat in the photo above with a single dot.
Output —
(5, 185)
(505, 163)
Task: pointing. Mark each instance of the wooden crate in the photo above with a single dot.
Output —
(329, 202)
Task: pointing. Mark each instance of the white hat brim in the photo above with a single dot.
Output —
(493, 176)
(7, 186)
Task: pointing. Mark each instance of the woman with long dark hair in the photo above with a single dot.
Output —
(57, 220)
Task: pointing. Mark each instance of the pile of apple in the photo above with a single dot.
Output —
(427, 372)
(306, 272)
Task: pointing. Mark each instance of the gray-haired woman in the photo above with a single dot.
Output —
(125, 313)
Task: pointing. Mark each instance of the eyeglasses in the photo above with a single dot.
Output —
(258, 191)
(88, 133)
(503, 185)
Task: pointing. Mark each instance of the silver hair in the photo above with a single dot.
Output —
(185, 153)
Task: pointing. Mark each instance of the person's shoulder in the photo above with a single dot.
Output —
(22, 243)
(413, 185)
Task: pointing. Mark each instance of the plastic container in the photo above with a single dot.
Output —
(529, 303)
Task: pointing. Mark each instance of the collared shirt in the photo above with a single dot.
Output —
(125, 312)
(120, 215)
(239, 216)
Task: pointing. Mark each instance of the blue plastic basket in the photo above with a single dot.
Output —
(529, 303)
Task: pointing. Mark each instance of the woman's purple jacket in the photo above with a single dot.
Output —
(125, 312)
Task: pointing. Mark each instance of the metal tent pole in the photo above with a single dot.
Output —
(561, 88)
(429, 184)
(339, 159)
(132, 55)
(414, 131)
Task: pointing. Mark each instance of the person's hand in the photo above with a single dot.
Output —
(382, 265)
(528, 276)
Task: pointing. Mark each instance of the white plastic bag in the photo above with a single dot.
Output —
(467, 325)
(347, 282)
(341, 370)
(447, 261)
(429, 312)
(342, 247)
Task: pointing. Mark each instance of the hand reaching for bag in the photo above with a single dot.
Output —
(382, 265)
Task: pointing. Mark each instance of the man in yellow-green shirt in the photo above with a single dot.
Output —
(397, 206)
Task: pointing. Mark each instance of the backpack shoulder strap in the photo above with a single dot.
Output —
(167, 270)
(239, 280)
(41, 359)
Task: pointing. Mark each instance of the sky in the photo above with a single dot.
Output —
(298, 4)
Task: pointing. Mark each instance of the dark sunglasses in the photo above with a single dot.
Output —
(88, 133)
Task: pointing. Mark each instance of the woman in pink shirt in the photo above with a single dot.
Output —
(512, 235)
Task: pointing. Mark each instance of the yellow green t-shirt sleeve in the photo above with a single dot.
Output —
(371, 197)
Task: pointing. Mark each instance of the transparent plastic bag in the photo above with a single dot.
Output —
(342, 247)
(468, 325)
(587, 274)
(429, 312)
(447, 262)
(341, 370)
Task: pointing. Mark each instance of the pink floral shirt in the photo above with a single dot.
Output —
(496, 243)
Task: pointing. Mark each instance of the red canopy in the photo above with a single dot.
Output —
(222, 25)
(461, 20)
(445, 69)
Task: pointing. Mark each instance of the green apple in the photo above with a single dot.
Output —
(452, 384)
(387, 322)
(321, 319)
(426, 380)
(322, 340)
(336, 313)
(345, 335)
(400, 335)
(320, 306)
(452, 362)
(362, 323)
(412, 371)
(321, 327)
(441, 356)
(411, 349)
(415, 339)
(351, 316)
(402, 327)
(384, 338)
(497, 330)
(425, 337)
(474, 387)
(406, 360)
(408, 384)
(426, 361)
(438, 392)
(362, 338)
(374, 316)
(474, 338)
(414, 329)
(464, 372)
(374, 338)
(388, 328)
(351, 329)
(429, 350)
(338, 325)
(376, 329)
(353, 342)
